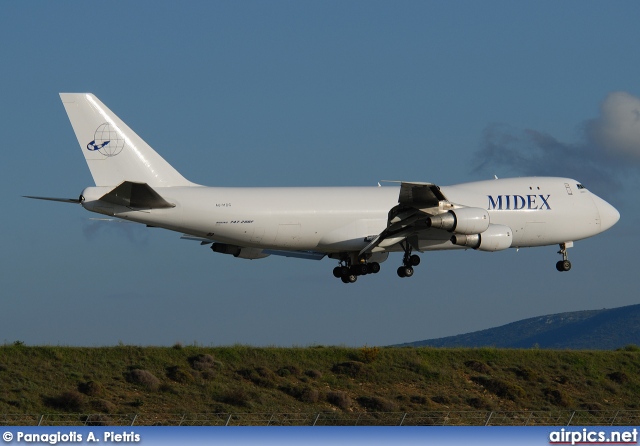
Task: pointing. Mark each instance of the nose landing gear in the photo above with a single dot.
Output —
(564, 264)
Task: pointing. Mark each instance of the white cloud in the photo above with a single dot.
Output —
(617, 129)
(607, 154)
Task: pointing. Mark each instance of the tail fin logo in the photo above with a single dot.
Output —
(107, 140)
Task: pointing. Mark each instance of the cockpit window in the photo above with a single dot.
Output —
(580, 186)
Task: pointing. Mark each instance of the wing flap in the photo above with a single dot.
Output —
(415, 202)
(309, 255)
(420, 195)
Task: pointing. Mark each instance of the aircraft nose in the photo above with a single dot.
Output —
(609, 215)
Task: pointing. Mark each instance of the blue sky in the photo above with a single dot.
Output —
(281, 93)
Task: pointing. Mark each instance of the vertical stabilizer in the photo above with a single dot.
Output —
(113, 151)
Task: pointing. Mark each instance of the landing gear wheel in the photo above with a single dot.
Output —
(405, 271)
(408, 261)
(374, 268)
(408, 271)
(349, 279)
(337, 272)
(564, 264)
(360, 270)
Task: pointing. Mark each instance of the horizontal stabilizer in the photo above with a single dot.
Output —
(61, 200)
(136, 195)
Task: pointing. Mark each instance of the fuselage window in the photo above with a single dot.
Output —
(580, 186)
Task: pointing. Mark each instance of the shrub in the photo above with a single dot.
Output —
(499, 388)
(557, 397)
(309, 395)
(315, 374)
(525, 373)
(138, 402)
(168, 388)
(369, 354)
(103, 406)
(207, 374)
(478, 366)
(563, 379)
(441, 399)
(179, 375)
(289, 370)
(418, 399)
(350, 368)
(376, 403)
(305, 394)
(204, 362)
(478, 403)
(143, 377)
(260, 376)
(593, 408)
(618, 377)
(91, 388)
(237, 397)
(629, 348)
(71, 400)
(339, 399)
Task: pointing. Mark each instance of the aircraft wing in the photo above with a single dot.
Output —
(415, 202)
(310, 255)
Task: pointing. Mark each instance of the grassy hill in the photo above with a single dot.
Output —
(125, 379)
(605, 329)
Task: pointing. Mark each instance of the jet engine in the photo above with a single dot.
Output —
(461, 221)
(239, 251)
(495, 238)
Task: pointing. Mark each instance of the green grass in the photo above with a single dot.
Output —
(190, 379)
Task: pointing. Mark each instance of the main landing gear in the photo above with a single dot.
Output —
(564, 264)
(352, 265)
(349, 273)
(408, 262)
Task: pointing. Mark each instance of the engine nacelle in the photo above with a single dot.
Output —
(239, 251)
(495, 238)
(461, 221)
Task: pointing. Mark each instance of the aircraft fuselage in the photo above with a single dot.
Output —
(539, 210)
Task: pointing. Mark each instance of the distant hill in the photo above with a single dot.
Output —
(605, 329)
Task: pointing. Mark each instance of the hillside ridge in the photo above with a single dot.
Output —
(605, 329)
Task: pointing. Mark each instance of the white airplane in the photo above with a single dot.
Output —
(357, 226)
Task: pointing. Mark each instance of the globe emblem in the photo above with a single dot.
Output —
(107, 140)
